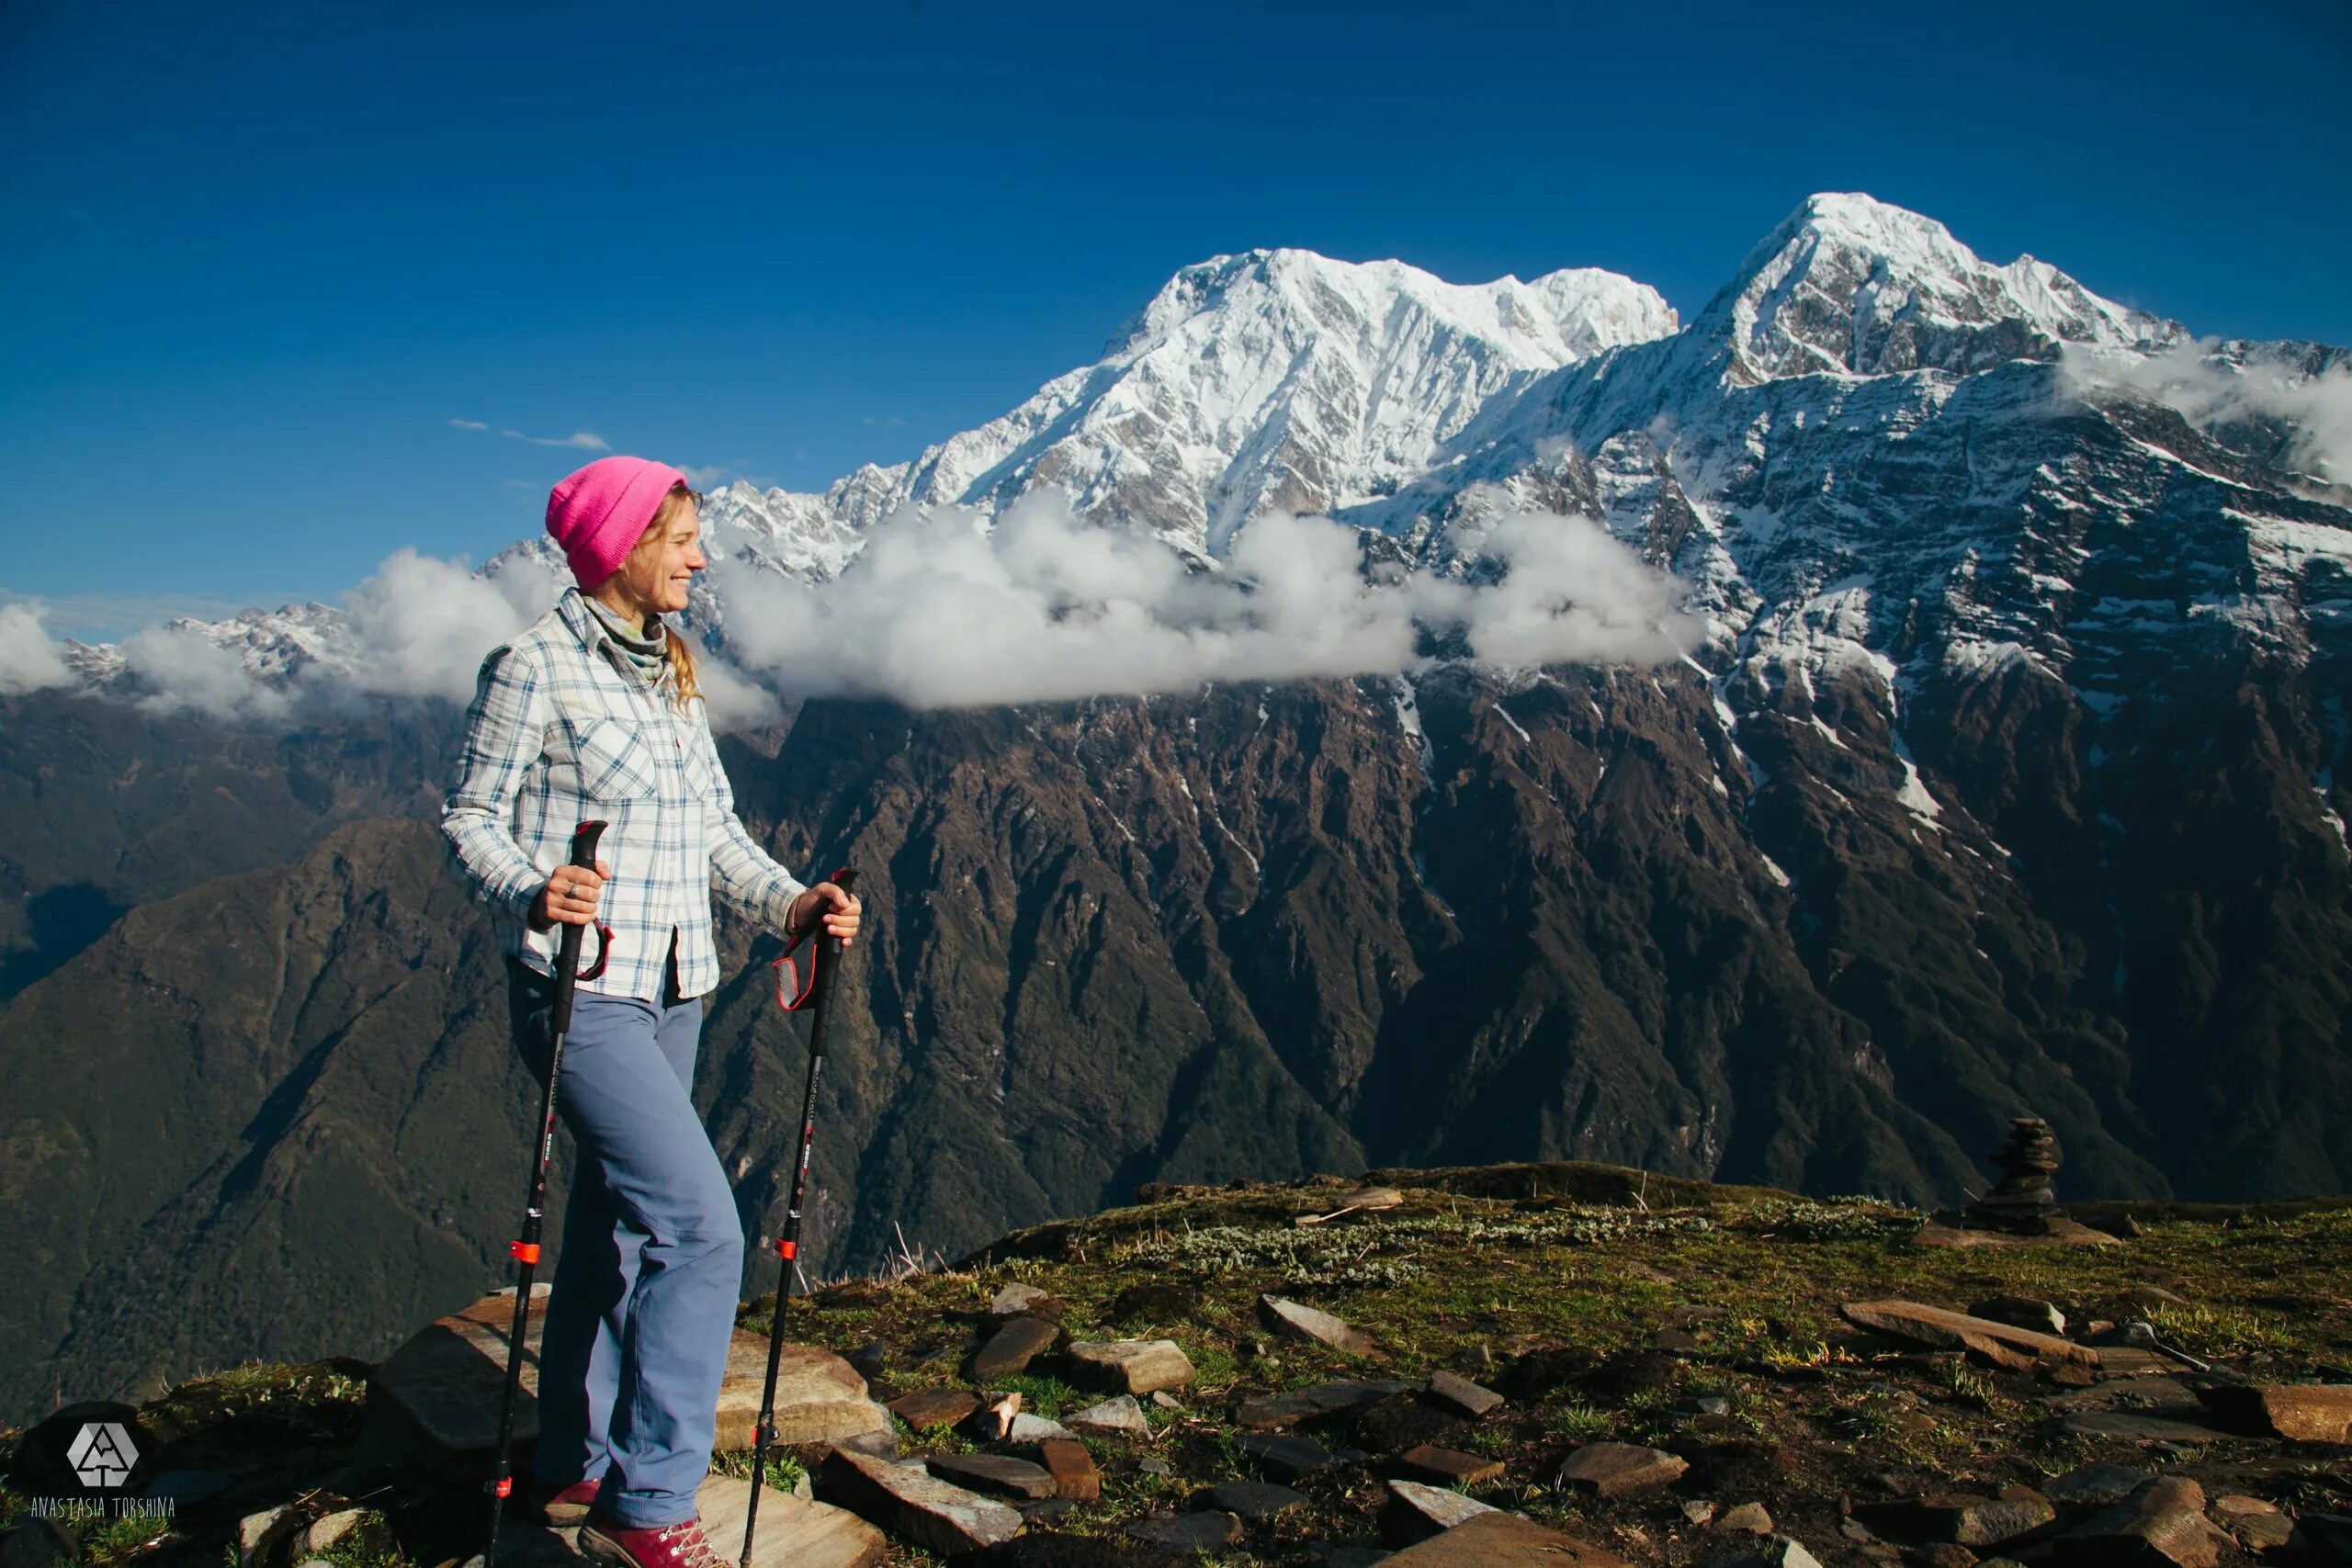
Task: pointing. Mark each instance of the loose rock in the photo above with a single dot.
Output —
(1464, 1395)
(1013, 1346)
(1129, 1365)
(1016, 1298)
(1619, 1470)
(1749, 1518)
(999, 1474)
(1119, 1415)
(1323, 1399)
(256, 1533)
(2164, 1521)
(2022, 1312)
(1503, 1541)
(795, 1532)
(1964, 1519)
(2095, 1485)
(326, 1531)
(2304, 1412)
(935, 1407)
(1781, 1552)
(1189, 1532)
(1254, 1499)
(1449, 1467)
(2000, 1343)
(1027, 1429)
(1414, 1512)
(1075, 1478)
(1303, 1322)
(913, 1506)
(1283, 1456)
(2140, 1427)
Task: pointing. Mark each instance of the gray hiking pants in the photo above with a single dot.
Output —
(642, 1308)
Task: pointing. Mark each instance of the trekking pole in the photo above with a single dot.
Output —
(824, 958)
(526, 1250)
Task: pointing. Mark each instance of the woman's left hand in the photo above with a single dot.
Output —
(839, 911)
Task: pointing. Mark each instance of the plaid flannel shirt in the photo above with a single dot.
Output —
(561, 730)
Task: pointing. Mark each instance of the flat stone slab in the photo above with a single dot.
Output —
(1300, 1321)
(1471, 1399)
(1027, 1429)
(2095, 1485)
(1119, 1415)
(2165, 1522)
(1254, 1499)
(1072, 1468)
(1961, 1517)
(2162, 1393)
(935, 1407)
(912, 1505)
(1275, 1410)
(1129, 1365)
(792, 1532)
(1620, 1469)
(2304, 1412)
(999, 1474)
(2061, 1232)
(1016, 1343)
(444, 1387)
(1017, 1298)
(2141, 1426)
(2004, 1344)
(1415, 1512)
(1206, 1532)
(1283, 1456)
(1449, 1467)
(1504, 1540)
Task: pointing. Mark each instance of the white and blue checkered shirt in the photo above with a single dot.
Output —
(562, 730)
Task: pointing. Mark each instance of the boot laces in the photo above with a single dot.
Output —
(692, 1548)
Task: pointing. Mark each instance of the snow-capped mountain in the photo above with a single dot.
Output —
(1278, 381)
(2009, 776)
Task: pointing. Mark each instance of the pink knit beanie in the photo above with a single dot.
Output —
(598, 513)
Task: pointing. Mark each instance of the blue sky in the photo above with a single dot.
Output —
(261, 257)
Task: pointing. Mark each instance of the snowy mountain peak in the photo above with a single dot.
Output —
(1542, 323)
(1282, 380)
(1847, 284)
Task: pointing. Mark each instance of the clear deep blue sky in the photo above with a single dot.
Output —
(259, 256)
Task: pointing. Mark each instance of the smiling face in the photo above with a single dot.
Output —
(654, 578)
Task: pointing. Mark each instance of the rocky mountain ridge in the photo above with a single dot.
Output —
(2007, 776)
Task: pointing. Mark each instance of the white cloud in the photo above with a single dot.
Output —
(179, 668)
(30, 659)
(420, 626)
(941, 610)
(2193, 380)
(586, 440)
(703, 478)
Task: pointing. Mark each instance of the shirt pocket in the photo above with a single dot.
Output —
(614, 765)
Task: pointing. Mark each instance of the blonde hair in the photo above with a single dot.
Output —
(685, 688)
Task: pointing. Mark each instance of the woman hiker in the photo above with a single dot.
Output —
(594, 711)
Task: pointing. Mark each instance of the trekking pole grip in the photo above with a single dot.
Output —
(830, 947)
(567, 967)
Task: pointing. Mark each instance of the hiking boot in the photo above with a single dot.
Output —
(603, 1539)
(561, 1508)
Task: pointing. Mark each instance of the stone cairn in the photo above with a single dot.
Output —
(2022, 1202)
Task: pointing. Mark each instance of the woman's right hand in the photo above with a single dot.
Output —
(570, 896)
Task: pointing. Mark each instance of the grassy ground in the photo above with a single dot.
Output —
(1558, 1303)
